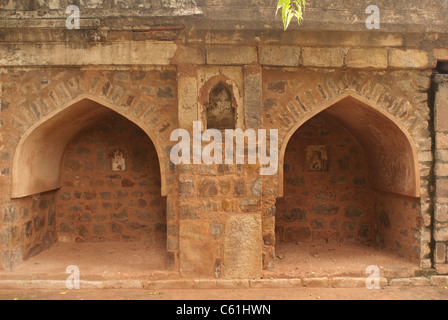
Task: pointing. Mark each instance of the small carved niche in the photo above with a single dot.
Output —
(316, 158)
(118, 161)
(220, 110)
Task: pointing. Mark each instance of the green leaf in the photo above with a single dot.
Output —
(290, 10)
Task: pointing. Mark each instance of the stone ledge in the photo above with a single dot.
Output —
(318, 282)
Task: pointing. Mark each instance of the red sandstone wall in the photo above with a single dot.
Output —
(325, 205)
(399, 224)
(339, 204)
(96, 203)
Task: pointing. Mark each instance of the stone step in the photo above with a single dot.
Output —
(321, 282)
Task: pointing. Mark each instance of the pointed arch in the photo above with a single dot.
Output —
(390, 147)
(38, 156)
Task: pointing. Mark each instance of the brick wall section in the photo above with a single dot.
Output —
(441, 175)
(96, 203)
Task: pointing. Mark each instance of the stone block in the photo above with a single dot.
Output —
(186, 187)
(409, 282)
(323, 57)
(441, 234)
(136, 52)
(441, 169)
(442, 190)
(192, 230)
(243, 246)
(275, 283)
(347, 282)
(441, 109)
(366, 58)
(322, 282)
(208, 187)
(281, 56)
(9, 259)
(441, 54)
(442, 140)
(231, 55)
(411, 58)
(440, 253)
(196, 258)
(441, 212)
(252, 98)
(189, 55)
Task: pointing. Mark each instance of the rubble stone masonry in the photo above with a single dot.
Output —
(86, 118)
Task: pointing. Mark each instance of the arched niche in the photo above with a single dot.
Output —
(38, 156)
(391, 152)
(220, 110)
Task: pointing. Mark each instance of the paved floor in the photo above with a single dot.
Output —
(102, 262)
(144, 260)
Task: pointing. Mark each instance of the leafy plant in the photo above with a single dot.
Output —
(291, 9)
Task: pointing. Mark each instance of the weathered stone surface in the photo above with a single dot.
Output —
(156, 53)
(409, 58)
(208, 187)
(354, 213)
(441, 108)
(196, 258)
(252, 97)
(186, 187)
(189, 230)
(239, 187)
(296, 214)
(325, 209)
(323, 57)
(366, 58)
(285, 56)
(9, 259)
(189, 55)
(231, 55)
(441, 54)
(440, 253)
(243, 246)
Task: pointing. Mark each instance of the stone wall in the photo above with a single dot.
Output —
(291, 97)
(28, 228)
(399, 226)
(333, 203)
(29, 222)
(155, 65)
(441, 173)
(98, 202)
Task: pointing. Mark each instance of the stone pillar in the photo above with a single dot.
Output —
(220, 208)
(252, 96)
(441, 174)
